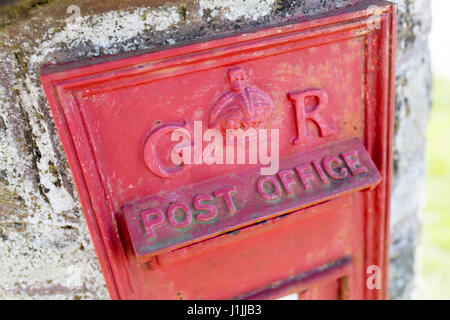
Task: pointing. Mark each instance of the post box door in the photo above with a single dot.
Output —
(308, 216)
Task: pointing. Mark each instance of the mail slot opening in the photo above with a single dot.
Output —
(214, 243)
(294, 226)
(330, 281)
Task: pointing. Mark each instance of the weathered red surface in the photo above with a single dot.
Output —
(325, 83)
(303, 180)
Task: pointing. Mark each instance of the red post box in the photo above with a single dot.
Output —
(248, 167)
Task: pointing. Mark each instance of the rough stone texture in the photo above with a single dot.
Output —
(413, 102)
(45, 248)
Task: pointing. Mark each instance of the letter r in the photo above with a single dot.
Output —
(299, 99)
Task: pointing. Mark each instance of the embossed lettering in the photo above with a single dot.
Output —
(352, 160)
(172, 211)
(287, 178)
(226, 194)
(300, 101)
(275, 194)
(242, 106)
(305, 173)
(152, 218)
(207, 209)
(179, 152)
(199, 205)
(320, 172)
(329, 163)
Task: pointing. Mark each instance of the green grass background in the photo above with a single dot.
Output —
(435, 263)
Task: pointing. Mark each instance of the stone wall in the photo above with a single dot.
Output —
(413, 102)
(45, 248)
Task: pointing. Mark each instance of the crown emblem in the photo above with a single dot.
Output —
(241, 107)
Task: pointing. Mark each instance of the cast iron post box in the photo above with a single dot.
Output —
(205, 216)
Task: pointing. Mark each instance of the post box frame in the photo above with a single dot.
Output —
(63, 83)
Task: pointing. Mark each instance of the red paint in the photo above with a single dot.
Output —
(252, 198)
(315, 100)
(152, 218)
(211, 231)
(334, 167)
(200, 205)
(272, 182)
(182, 222)
(150, 145)
(353, 163)
(287, 179)
(242, 106)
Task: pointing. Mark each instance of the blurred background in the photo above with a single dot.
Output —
(434, 260)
